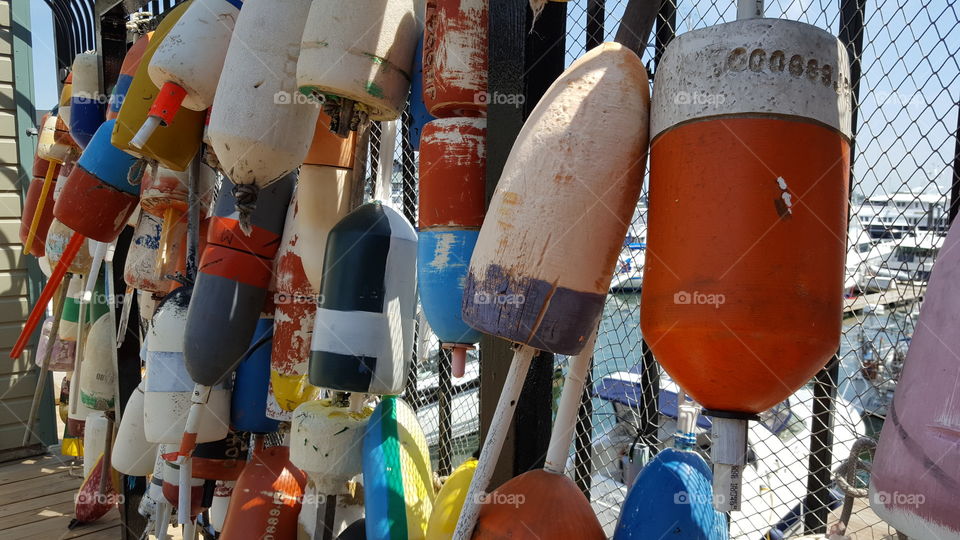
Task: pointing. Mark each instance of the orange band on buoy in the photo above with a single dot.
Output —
(168, 102)
(226, 232)
(237, 265)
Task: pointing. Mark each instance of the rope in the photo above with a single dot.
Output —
(246, 196)
(136, 172)
(845, 475)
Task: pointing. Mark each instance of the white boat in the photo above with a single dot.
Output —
(893, 216)
(628, 276)
(863, 253)
(774, 480)
(911, 259)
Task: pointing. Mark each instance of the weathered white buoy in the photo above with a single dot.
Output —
(98, 377)
(325, 428)
(358, 67)
(186, 65)
(86, 107)
(94, 439)
(132, 454)
(261, 127)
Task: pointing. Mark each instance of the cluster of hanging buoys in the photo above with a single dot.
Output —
(278, 309)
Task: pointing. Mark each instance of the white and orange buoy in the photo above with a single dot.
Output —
(232, 282)
(32, 203)
(363, 335)
(168, 390)
(56, 147)
(360, 71)
(86, 106)
(545, 288)
(261, 128)
(267, 497)
(187, 63)
(172, 145)
(452, 205)
(763, 128)
(455, 58)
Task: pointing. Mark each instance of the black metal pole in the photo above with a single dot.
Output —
(955, 188)
(825, 383)
(444, 420)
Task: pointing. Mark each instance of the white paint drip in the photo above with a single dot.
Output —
(786, 194)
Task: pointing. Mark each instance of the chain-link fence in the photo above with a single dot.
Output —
(903, 161)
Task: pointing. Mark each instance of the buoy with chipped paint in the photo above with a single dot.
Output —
(187, 63)
(133, 454)
(56, 147)
(267, 496)
(36, 193)
(543, 289)
(363, 335)
(127, 70)
(99, 198)
(248, 411)
(222, 493)
(174, 145)
(455, 58)
(169, 388)
(777, 147)
(419, 115)
(398, 479)
(452, 205)
(362, 71)
(63, 355)
(141, 270)
(261, 128)
(98, 377)
(86, 107)
(221, 460)
(915, 476)
(231, 286)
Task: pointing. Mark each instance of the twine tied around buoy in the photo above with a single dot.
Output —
(138, 169)
(246, 196)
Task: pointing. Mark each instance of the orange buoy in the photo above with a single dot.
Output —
(56, 147)
(39, 188)
(742, 316)
(534, 279)
(267, 496)
(455, 58)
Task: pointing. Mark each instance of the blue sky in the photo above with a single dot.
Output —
(44, 66)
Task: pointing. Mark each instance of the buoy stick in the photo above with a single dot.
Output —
(35, 222)
(112, 313)
(329, 520)
(570, 396)
(81, 341)
(163, 111)
(146, 131)
(728, 454)
(193, 218)
(45, 365)
(496, 434)
(56, 277)
(183, 494)
(85, 298)
(201, 394)
(125, 315)
(388, 143)
(170, 218)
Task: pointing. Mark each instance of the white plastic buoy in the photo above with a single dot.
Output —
(186, 65)
(94, 440)
(132, 454)
(98, 378)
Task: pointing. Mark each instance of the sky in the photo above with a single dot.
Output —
(44, 66)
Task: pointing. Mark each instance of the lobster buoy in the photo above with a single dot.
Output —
(99, 198)
(261, 127)
(140, 270)
(221, 460)
(173, 145)
(294, 315)
(186, 65)
(86, 109)
(164, 193)
(398, 480)
(40, 196)
(267, 496)
(98, 377)
(168, 389)
(325, 428)
(541, 289)
(133, 454)
(419, 115)
(63, 355)
(234, 274)
(127, 70)
(452, 201)
(171, 489)
(455, 58)
(915, 475)
(56, 147)
(449, 501)
(221, 502)
(248, 411)
(363, 336)
(70, 322)
(356, 67)
(94, 439)
(778, 148)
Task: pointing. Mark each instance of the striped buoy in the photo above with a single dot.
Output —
(347, 60)
(771, 139)
(234, 274)
(86, 108)
(452, 204)
(455, 58)
(187, 63)
(168, 388)
(173, 145)
(133, 454)
(99, 198)
(127, 70)
(398, 480)
(363, 336)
